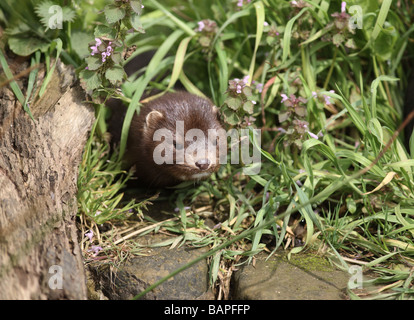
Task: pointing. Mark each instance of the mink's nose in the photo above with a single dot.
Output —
(203, 164)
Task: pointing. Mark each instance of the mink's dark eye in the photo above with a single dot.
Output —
(177, 145)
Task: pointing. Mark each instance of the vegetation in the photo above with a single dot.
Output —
(323, 80)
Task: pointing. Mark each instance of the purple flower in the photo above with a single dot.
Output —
(94, 50)
(100, 47)
(207, 26)
(241, 2)
(95, 250)
(178, 209)
(249, 120)
(109, 50)
(284, 97)
(89, 235)
(246, 79)
(201, 26)
(343, 6)
(298, 4)
(328, 98)
(313, 135)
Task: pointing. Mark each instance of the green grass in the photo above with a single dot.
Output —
(351, 208)
(352, 187)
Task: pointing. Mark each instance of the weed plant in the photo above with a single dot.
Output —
(326, 85)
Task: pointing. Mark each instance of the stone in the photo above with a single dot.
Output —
(135, 275)
(304, 277)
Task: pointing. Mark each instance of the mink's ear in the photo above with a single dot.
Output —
(216, 112)
(153, 118)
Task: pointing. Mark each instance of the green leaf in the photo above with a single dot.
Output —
(113, 13)
(248, 107)
(136, 23)
(90, 79)
(223, 70)
(230, 117)
(182, 25)
(214, 269)
(375, 128)
(116, 58)
(383, 45)
(79, 41)
(283, 116)
(179, 61)
(288, 34)
(374, 86)
(31, 82)
(260, 19)
(51, 14)
(136, 5)
(25, 45)
(204, 41)
(94, 62)
(233, 103)
(337, 39)
(13, 85)
(351, 205)
(247, 91)
(102, 31)
(23, 40)
(381, 19)
(115, 75)
(68, 14)
(59, 44)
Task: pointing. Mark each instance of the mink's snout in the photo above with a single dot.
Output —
(203, 164)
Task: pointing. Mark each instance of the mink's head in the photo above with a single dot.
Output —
(181, 132)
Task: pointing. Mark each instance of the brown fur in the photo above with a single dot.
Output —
(163, 112)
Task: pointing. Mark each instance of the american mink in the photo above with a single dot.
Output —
(200, 156)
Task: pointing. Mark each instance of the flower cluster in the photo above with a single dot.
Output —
(293, 120)
(327, 99)
(299, 4)
(240, 102)
(304, 23)
(104, 66)
(93, 249)
(240, 3)
(341, 19)
(340, 29)
(236, 85)
(272, 37)
(102, 48)
(207, 30)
